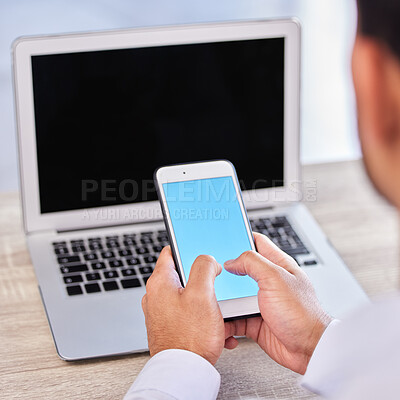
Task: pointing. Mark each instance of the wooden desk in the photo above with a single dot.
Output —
(360, 225)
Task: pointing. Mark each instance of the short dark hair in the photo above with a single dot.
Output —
(380, 19)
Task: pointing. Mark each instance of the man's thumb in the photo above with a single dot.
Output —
(203, 273)
(252, 264)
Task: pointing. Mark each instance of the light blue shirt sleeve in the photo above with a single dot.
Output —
(176, 375)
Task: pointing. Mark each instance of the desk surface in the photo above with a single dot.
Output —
(361, 226)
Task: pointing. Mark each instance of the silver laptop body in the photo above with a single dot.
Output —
(98, 112)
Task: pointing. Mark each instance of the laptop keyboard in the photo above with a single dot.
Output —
(111, 263)
(279, 230)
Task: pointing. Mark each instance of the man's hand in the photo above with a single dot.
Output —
(184, 318)
(292, 320)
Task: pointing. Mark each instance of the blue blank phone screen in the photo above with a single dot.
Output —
(206, 219)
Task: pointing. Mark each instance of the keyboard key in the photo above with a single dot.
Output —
(115, 263)
(289, 231)
(162, 232)
(128, 272)
(162, 239)
(132, 261)
(129, 242)
(94, 239)
(129, 235)
(77, 241)
(71, 269)
(68, 259)
(78, 249)
(61, 250)
(146, 240)
(157, 248)
(108, 254)
(59, 244)
(284, 243)
(98, 265)
(110, 274)
(112, 245)
(146, 270)
(94, 276)
(146, 233)
(299, 250)
(145, 278)
(150, 259)
(92, 288)
(73, 279)
(114, 237)
(111, 285)
(90, 256)
(142, 250)
(310, 262)
(278, 224)
(74, 290)
(130, 283)
(125, 253)
(95, 246)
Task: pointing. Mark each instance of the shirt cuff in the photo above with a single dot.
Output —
(180, 374)
(315, 378)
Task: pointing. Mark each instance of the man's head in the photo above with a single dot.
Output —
(376, 73)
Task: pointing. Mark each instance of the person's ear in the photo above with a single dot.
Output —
(376, 76)
(377, 91)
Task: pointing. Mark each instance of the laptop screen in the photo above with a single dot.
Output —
(105, 120)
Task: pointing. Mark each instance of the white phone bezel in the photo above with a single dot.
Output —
(211, 169)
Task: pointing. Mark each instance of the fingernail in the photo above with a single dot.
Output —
(229, 262)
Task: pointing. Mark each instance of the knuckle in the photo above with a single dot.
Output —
(197, 296)
(249, 256)
(293, 265)
(207, 263)
(151, 283)
(144, 302)
(277, 272)
(205, 259)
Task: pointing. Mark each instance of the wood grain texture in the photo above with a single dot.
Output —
(361, 226)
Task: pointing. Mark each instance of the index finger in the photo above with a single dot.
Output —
(268, 249)
(254, 265)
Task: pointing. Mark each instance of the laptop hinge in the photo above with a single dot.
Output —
(44, 232)
(110, 226)
(268, 208)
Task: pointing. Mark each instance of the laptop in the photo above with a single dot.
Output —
(97, 113)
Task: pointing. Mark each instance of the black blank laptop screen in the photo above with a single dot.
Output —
(105, 120)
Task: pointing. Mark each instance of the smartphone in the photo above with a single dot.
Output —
(204, 213)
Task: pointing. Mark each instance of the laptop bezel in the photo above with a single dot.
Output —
(24, 48)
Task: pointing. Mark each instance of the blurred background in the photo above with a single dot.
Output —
(328, 118)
